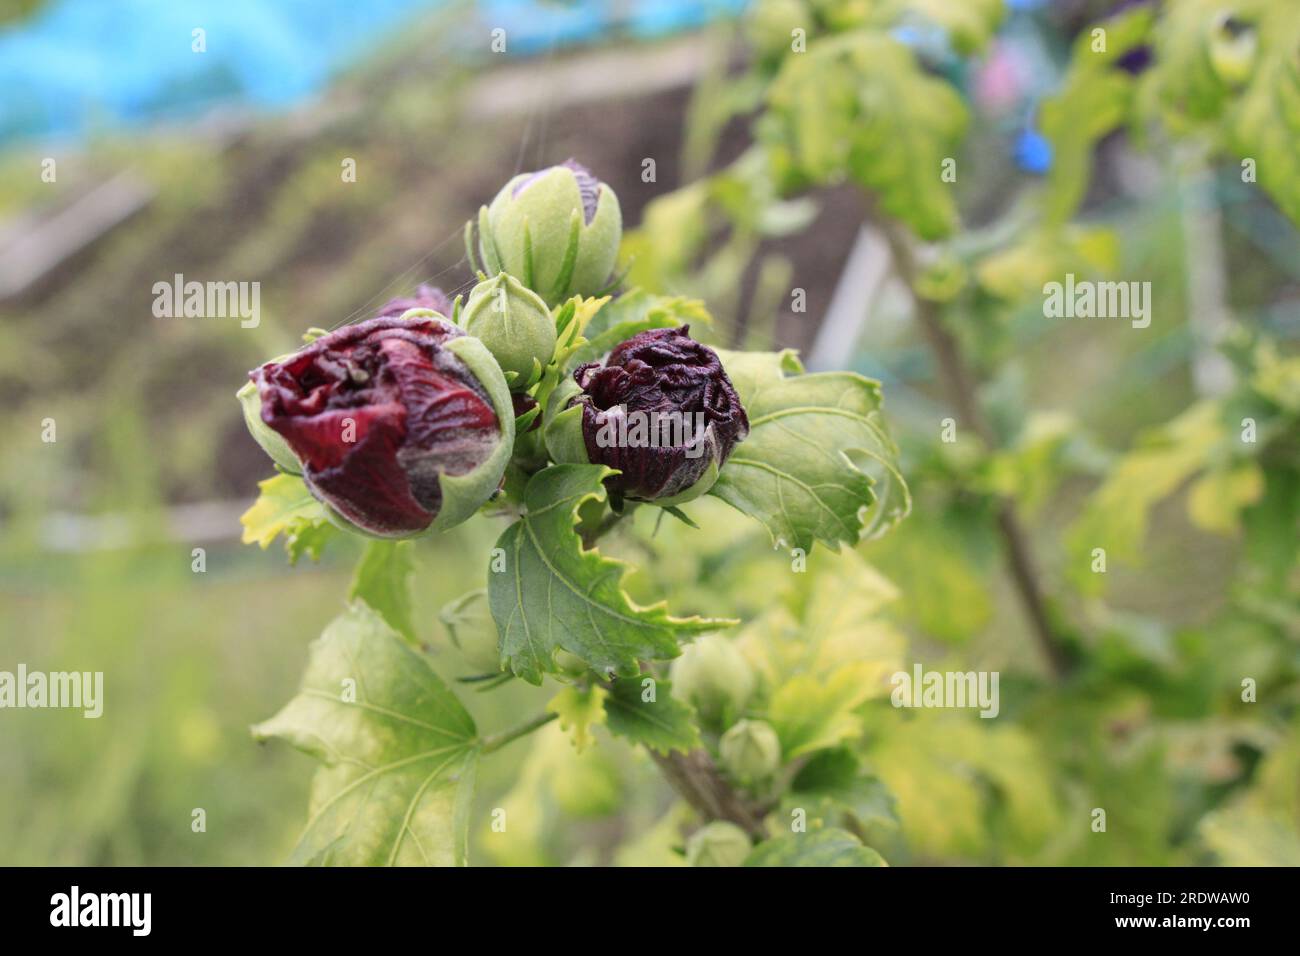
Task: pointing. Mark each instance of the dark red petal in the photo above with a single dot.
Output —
(661, 371)
(377, 412)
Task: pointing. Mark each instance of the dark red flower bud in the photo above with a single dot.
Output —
(660, 409)
(426, 297)
(398, 423)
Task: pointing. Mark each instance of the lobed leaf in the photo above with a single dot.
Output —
(399, 750)
(818, 464)
(658, 721)
(860, 105)
(579, 710)
(553, 595)
(285, 507)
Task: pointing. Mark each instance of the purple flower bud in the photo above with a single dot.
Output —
(660, 409)
(588, 186)
(556, 230)
(426, 297)
(397, 422)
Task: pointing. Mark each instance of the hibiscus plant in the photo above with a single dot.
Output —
(555, 403)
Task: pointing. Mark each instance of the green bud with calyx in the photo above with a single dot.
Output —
(557, 230)
(718, 844)
(472, 631)
(659, 409)
(750, 751)
(515, 325)
(713, 677)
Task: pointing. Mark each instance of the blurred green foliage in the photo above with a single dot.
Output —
(1100, 437)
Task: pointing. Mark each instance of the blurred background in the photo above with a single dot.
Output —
(141, 138)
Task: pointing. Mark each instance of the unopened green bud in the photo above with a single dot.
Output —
(750, 751)
(714, 678)
(515, 325)
(718, 844)
(557, 230)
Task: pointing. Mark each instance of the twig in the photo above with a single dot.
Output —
(697, 779)
(961, 389)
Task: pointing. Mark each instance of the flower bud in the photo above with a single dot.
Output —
(718, 844)
(714, 678)
(557, 230)
(661, 410)
(515, 325)
(426, 297)
(399, 425)
(750, 751)
(472, 630)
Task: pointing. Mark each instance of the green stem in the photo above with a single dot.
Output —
(497, 741)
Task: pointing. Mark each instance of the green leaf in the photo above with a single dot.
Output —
(579, 709)
(827, 847)
(1095, 98)
(818, 464)
(632, 312)
(1115, 518)
(1017, 272)
(811, 713)
(399, 750)
(833, 621)
(285, 506)
(1250, 838)
(859, 104)
(309, 538)
(552, 594)
(1216, 500)
(1265, 125)
(656, 720)
(1183, 81)
(831, 787)
(382, 580)
(969, 788)
(1258, 827)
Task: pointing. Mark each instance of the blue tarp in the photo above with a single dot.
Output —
(82, 65)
